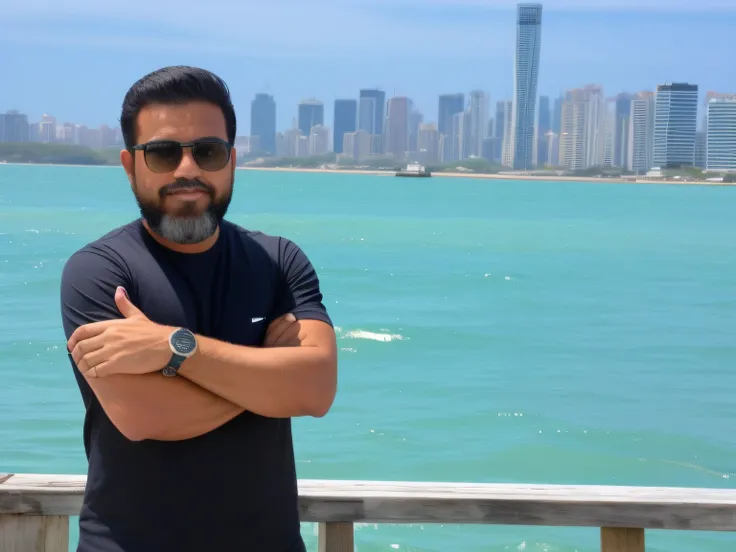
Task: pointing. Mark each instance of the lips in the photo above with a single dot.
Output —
(187, 191)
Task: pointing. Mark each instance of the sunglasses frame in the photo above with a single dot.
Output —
(198, 142)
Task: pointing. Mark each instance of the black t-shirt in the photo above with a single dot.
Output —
(234, 488)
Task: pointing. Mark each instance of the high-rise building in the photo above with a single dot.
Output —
(478, 111)
(553, 149)
(641, 133)
(507, 147)
(263, 122)
(583, 141)
(721, 135)
(621, 131)
(371, 110)
(557, 115)
(526, 76)
(427, 143)
(14, 127)
(345, 120)
(449, 106)
(675, 123)
(461, 136)
(701, 145)
(319, 140)
(544, 125)
(311, 114)
(47, 128)
(499, 130)
(397, 126)
(415, 120)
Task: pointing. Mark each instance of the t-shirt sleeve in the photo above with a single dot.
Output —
(88, 283)
(298, 290)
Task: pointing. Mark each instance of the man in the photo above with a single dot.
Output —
(193, 342)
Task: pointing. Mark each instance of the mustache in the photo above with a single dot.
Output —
(186, 184)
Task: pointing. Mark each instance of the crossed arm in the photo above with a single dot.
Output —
(294, 376)
(119, 352)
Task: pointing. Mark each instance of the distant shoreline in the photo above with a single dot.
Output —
(480, 176)
(496, 176)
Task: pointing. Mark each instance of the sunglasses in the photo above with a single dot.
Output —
(210, 154)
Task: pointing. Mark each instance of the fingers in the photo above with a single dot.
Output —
(88, 331)
(100, 370)
(288, 338)
(278, 327)
(87, 353)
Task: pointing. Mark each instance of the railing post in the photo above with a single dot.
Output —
(33, 533)
(335, 537)
(617, 539)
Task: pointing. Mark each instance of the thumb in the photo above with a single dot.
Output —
(126, 308)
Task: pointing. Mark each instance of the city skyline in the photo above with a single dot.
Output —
(581, 46)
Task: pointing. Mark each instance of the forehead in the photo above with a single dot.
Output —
(181, 122)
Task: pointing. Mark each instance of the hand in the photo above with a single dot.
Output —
(129, 345)
(283, 332)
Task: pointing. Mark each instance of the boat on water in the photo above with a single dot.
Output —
(414, 169)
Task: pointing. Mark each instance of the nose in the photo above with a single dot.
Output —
(188, 167)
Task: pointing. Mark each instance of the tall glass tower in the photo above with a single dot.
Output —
(526, 77)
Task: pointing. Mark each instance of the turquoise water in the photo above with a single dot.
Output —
(490, 331)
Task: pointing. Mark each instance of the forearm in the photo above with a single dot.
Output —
(152, 406)
(278, 382)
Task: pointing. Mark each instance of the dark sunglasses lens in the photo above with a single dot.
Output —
(163, 157)
(211, 156)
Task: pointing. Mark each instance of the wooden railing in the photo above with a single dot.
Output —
(35, 509)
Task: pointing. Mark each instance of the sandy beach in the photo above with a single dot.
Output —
(495, 176)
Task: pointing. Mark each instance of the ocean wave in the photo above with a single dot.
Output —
(373, 336)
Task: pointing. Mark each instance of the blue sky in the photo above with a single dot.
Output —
(75, 59)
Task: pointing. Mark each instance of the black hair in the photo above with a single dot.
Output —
(176, 85)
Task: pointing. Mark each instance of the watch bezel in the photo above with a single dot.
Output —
(189, 335)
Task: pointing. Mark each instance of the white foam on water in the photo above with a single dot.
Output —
(362, 334)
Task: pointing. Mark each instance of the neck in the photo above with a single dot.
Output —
(199, 247)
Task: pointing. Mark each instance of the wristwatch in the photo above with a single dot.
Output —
(183, 344)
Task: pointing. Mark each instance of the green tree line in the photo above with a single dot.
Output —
(57, 154)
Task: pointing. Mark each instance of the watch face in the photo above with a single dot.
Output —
(183, 342)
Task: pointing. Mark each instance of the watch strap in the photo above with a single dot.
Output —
(172, 368)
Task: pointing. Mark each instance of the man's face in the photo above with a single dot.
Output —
(184, 203)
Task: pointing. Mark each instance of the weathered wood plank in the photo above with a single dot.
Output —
(410, 502)
(622, 539)
(25, 533)
(336, 537)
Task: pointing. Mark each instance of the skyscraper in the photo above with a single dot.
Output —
(346, 119)
(311, 114)
(397, 126)
(526, 77)
(621, 131)
(721, 135)
(583, 137)
(370, 110)
(449, 106)
(478, 110)
(675, 123)
(544, 125)
(263, 122)
(641, 133)
(14, 127)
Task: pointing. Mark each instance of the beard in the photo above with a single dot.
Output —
(188, 225)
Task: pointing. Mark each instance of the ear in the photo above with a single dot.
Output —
(128, 162)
